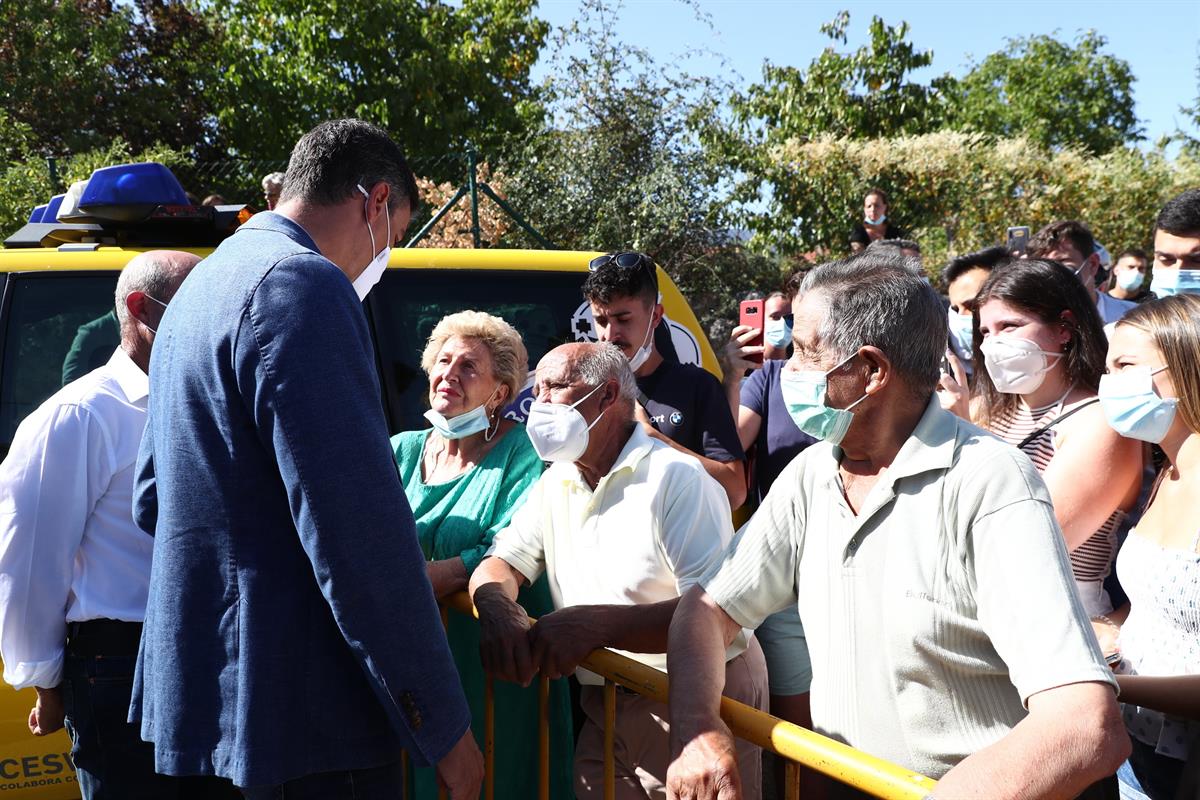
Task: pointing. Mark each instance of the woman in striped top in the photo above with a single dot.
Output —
(1039, 355)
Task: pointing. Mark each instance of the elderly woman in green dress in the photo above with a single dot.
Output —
(464, 477)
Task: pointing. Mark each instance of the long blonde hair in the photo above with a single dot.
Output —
(1173, 323)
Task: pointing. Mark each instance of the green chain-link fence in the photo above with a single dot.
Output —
(458, 175)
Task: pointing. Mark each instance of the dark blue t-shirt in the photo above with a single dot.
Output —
(686, 404)
(779, 440)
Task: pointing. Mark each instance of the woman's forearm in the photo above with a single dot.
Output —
(1177, 695)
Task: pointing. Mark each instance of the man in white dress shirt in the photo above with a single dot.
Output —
(622, 524)
(74, 568)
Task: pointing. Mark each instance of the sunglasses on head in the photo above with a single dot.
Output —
(625, 261)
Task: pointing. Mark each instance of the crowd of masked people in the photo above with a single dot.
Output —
(222, 575)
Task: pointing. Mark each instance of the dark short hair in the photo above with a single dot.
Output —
(1135, 252)
(336, 156)
(791, 285)
(613, 281)
(1045, 289)
(987, 258)
(1181, 215)
(1051, 236)
(880, 193)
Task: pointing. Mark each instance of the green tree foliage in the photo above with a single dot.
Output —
(78, 74)
(435, 74)
(865, 93)
(621, 169)
(1052, 93)
(957, 192)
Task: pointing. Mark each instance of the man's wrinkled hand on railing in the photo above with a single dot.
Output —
(504, 645)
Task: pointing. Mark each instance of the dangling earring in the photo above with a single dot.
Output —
(491, 431)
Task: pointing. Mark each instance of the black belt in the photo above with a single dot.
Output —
(103, 637)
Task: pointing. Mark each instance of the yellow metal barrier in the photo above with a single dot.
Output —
(801, 747)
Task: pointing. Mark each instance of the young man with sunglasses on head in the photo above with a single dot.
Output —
(680, 404)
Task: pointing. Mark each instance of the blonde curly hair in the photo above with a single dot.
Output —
(510, 360)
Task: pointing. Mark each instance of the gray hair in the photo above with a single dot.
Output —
(878, 299)
(602, 362)
(272, 179)
(158, 273)
(896, 244)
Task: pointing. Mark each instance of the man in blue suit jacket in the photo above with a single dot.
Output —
(292, 642)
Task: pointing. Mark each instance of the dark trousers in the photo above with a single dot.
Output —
(111, 760)
(373, 783)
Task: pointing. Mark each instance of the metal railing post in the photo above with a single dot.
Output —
(791, 780)
(489, 738)
(610, 731)
(543, 738)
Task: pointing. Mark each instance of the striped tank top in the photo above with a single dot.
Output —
(1092, 560)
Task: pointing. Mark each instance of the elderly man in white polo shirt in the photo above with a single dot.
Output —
(926, 563)
(622, 525)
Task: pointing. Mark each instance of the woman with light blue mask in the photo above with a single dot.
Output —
(464, 478)
(1152, 393)
(1037, 374)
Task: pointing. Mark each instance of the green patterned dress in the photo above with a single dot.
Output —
(458, 519)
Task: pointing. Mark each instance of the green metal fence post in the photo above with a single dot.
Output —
(55, 182)
(472, 181)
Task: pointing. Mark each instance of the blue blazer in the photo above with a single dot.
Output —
(291, 628)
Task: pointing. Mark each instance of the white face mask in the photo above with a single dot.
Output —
(643, 354)
(558, 431)
(374, 271)
(1017, 365)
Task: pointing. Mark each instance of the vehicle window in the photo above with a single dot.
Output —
(58, 327)
(408, 303)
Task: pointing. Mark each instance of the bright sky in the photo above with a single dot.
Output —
(1159, 38)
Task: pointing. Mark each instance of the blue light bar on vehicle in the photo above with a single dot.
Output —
(130, 192)
(51, 212)
(36, 214)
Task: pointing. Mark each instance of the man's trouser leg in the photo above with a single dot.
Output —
(641, 741)
(111, 760)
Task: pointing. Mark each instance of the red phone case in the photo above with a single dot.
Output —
(752, 315)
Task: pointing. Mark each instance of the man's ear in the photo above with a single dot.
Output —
(611, 393)
(377, 199)
(880, 367)
(135, 303)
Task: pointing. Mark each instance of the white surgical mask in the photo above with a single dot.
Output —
(643, 353)
(558, 431)
(1130, 279)
(466, 424)
(374, 271)
(1017, 365)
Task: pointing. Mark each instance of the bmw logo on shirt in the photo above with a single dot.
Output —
(676, 418)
